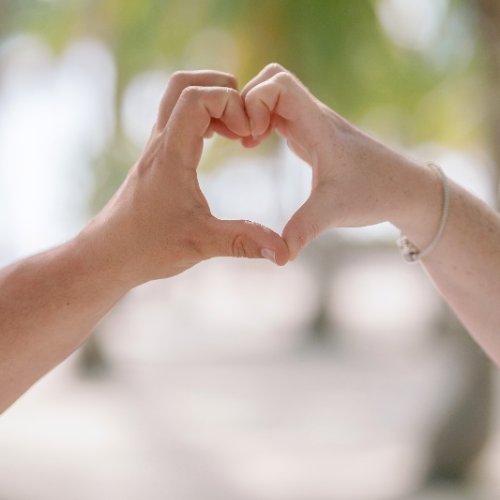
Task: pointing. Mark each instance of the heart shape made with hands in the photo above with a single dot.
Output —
(162, 221)
(273, 100)
(161, 215)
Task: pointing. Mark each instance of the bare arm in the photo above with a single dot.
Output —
(48, 305)
(157, 225)
(357, 181)
(465, 266)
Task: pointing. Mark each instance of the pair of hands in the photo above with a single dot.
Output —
(159, 224)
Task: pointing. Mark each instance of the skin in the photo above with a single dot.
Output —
(159, 224)
(357, 181)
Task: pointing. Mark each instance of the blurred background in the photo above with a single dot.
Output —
(341, 376)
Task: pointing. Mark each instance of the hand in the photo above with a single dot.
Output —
(356, 181)
(159, 224)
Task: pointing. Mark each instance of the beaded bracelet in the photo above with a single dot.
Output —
(410, 252)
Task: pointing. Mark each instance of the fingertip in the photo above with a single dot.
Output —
(278, 255)
(242, 238)
(292, 255)
(281, 252)
(291, 243)
(268, 254)
(270, 244)
(249, 142)
(281, 261)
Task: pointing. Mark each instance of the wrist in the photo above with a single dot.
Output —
(417, 209)
(93, 250)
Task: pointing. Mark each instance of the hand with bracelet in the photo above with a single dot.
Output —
(357, 181)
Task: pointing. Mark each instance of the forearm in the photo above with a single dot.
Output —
(465, 265)
(49, 304)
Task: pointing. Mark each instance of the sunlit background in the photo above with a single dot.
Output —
(341, 376)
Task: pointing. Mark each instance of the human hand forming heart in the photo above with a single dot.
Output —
(356, 180)
(159, 222)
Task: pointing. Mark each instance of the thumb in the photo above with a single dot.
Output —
(308, 222)
(241, 238)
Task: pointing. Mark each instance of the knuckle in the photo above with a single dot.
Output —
(284, 79)
(191, 94)
(232, 93)
(251, 96)
(222, 95)
(178, 79)
(239, 247)
(228, 80)
(275, 67)
(218, 100)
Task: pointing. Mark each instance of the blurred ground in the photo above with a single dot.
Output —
(199, 405)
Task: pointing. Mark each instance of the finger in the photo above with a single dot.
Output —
(281, 94)
(193, 116)
(308, 222)
(218, 127)
(183, 79)
(240, 238)
(251, 142)
(284, 102)
(269, 71)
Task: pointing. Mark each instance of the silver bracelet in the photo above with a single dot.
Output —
(410, 252)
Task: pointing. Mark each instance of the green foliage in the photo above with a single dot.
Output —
(337, 48)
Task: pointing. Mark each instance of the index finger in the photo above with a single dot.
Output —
(280, 95)
(183, 79)
(193, 115)
(267, 72)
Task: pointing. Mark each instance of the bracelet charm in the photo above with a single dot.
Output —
(409, 251)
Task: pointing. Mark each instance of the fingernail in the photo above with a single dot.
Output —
(268, 254)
